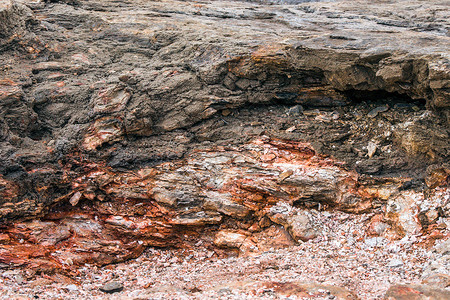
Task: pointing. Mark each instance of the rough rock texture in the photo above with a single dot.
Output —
(88, 78)
(131, 124)
(399, 292)
(243, 188)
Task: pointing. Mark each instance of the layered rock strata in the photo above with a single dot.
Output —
(135, 124)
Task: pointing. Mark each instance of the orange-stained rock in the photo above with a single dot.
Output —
(294, 289)
(229, 238)
(438, 177)
(416, 292)
(106, 129)
(109, 216)
(273, 237)
(376, 225)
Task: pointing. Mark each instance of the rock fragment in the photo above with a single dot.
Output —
(437, 177)
(14, 18)
(285, 174)
(371, 149)
(380, 109)
(395, 263)
(299, 223)
(222, 203)
(197, 219)
(229, 238)
(75, 198)
(112, 287)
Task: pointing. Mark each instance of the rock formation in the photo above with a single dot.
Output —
(127, 125)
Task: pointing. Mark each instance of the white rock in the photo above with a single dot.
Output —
(395, 263)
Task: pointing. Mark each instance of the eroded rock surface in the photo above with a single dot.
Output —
(131, 124)
(228, 196)
(87, 78)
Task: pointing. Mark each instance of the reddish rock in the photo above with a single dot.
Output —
(106, 129)
(229, 238)
(416, 292)
(376, 225)
(110, 216)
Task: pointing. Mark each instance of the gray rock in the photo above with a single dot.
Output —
(180, 78)
(295, 110)
(112, 287)
(374, 112)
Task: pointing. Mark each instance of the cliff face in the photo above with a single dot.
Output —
(125, 125)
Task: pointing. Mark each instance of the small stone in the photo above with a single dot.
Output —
(437, 178)
(243, 83)
(124, 77)
(19, 279)
(198, 218)
(75, 198)
(112, 287)
(285, 174)
(313, 112)
(229, 239)
(223, 203)
(374, 112)
(291, 129)
(295, 110)
(72, 287)
(376, 226)
(432, 216)
(226, 112)
(395, 263)
(264, 222)
(371, 149)
(300, 225)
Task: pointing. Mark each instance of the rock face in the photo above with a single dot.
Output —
(129, 125)
(227, 194)
(15, 19)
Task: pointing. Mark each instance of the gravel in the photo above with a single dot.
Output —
(341, 256)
